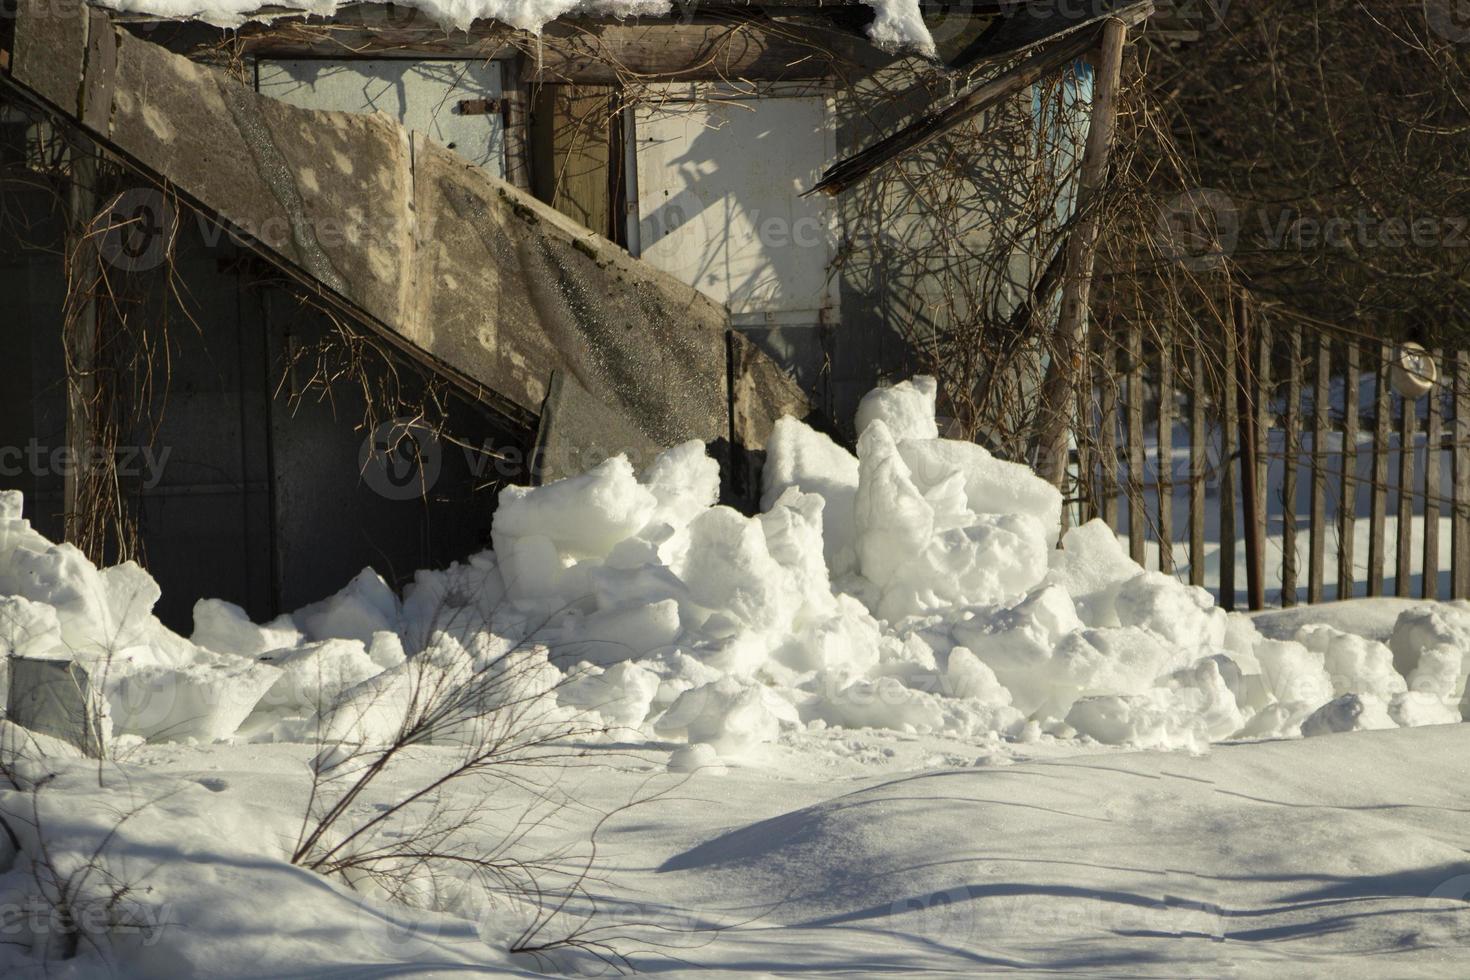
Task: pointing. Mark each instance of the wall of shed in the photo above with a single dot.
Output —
(242, 492)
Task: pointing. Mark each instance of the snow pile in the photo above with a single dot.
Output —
(897, 24)
(916, 586)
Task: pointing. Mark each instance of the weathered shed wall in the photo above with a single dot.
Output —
(497, 289)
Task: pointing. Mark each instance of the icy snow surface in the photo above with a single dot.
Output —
(897, 24)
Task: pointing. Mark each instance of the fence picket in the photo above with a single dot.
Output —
(1348, 502)
(1433, 460)
(1247, 392)
(1137, 525)
(1403, 539)
(1197, 461)
(1460, 515)
(1288, 473)
(1166, 456)
(1229, 422)
(1379, 489)
(1321, 424)
(1264, 419)
(1107, 446)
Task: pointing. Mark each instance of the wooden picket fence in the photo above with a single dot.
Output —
(1226, 428)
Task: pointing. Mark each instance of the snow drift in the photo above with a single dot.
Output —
(916, 586)
(897, 24)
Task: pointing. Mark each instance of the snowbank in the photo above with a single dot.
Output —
(898, 25)
(916, 586)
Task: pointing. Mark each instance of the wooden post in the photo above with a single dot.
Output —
(1460, 514)
(1166, 455)
(1197, 461)
(1321, 425)
(1137, 522)
(1254, 520)
(1288, 473)
(1378, 501)
(1062, 373)
(1432, 462)
(1348, 505)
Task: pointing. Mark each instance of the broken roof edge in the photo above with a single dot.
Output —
(896, 26)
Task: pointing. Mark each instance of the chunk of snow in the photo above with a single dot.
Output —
(363, 607)
(223, 627)
(1349, 713)
(700, 757)
(730, 715)
(800, 457)
(907, 409)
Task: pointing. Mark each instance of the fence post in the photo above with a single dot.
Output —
(1460, 513)
(1433, 458)
(1137, 523)
(1166, 455)
(1197, 460)
(1403, 539)
(1379, 489)
(1229, 422)
(1321, 424)
(1107, 431)
(1347, 507)
(1288, 473)
(1253, 524)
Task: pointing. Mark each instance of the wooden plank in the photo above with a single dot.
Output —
(1246, 393)
(1321, 425)
(1166, 456)
(1137, 522)
(1348, 496)
(730, 45)
(1198, 459)
(1046, 60)
(1460, 517)
(1404, 533)
(1383, 407)
(1061, 372)
(1229, 422)
(1433, 462)
(1291, 444)
(571, 140)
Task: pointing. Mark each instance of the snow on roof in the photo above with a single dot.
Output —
(897, 25)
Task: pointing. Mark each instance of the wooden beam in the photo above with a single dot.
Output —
(711, 47)
(929, 127)
(1061, 373)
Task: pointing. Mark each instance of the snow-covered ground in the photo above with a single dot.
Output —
(885, 725)
(857, 854)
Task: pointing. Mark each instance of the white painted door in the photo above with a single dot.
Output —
(454, 103)
(719, 203)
